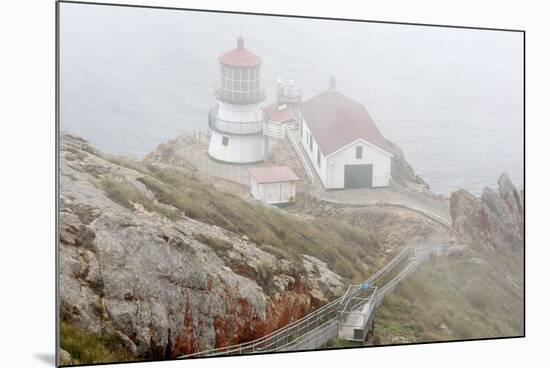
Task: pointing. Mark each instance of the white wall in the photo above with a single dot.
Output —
(281, 192)
(312, 154)
(232, 112)
(240, 148)
(381, 164)
(331, 171)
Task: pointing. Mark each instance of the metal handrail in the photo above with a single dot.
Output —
(301, 156)
(270, 335)
(328, 308)
(308, 335)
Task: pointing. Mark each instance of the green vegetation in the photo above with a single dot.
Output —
(126, 195)
(456, 297)
(347, 249)
(86, 348)
(341, 343)
(279, 253)
(126, 162)
(265, 275)
(220, 246)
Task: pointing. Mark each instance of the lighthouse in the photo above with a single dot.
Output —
(236, 122)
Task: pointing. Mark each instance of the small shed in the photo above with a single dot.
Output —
(274, 184)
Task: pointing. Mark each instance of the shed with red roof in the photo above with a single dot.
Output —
(273, 184)
(343, 143)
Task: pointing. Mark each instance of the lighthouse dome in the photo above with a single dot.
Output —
(240, 56)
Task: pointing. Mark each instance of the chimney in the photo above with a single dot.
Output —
(332, 83)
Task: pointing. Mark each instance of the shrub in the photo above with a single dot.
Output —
(330, 240)
(126, 195)
(220, 246)
(86, 348)
(264, 275)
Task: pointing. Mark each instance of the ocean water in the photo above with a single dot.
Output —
(452, 99)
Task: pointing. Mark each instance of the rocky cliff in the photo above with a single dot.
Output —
(155, 256)
(165, 284)
(493, 221)
(402, 172)
(476, 290)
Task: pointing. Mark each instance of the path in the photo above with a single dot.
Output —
(195, 150)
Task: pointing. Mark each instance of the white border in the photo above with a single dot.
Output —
(27, 186)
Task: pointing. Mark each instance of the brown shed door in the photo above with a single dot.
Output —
(358, 176)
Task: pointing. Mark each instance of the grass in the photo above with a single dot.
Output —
(342, 343)
(453, 298)
(346, 249)
(86, 348)
(265, 275)
(220, 246)
(126, 195)
(280, 253)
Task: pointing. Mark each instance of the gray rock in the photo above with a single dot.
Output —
(402, 172)
(145, 278)
(493, 221)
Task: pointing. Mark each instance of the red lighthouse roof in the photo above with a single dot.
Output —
(240, 57)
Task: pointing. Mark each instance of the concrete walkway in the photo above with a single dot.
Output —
(195, 151)
(429, 206)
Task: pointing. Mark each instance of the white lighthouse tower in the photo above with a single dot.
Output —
(236, 123)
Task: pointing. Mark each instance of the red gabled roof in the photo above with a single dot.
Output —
(273, 174)
(276, 115)
(240, 57)
(336, 120)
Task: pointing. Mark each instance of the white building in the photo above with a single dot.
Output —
(273, 185)
(236, 123)
(342, 142)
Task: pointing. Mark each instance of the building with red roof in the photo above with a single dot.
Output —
(240, 57)
(343, 143)
(273, 184)
(236, 122)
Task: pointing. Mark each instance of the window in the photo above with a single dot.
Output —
(310, 142)
(225, 140)
(318, 157)
(359, 152)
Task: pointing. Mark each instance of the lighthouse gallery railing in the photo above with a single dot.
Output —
(233, 127)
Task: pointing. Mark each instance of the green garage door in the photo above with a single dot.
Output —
(358, 176)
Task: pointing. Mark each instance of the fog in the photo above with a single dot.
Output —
(452, 99)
